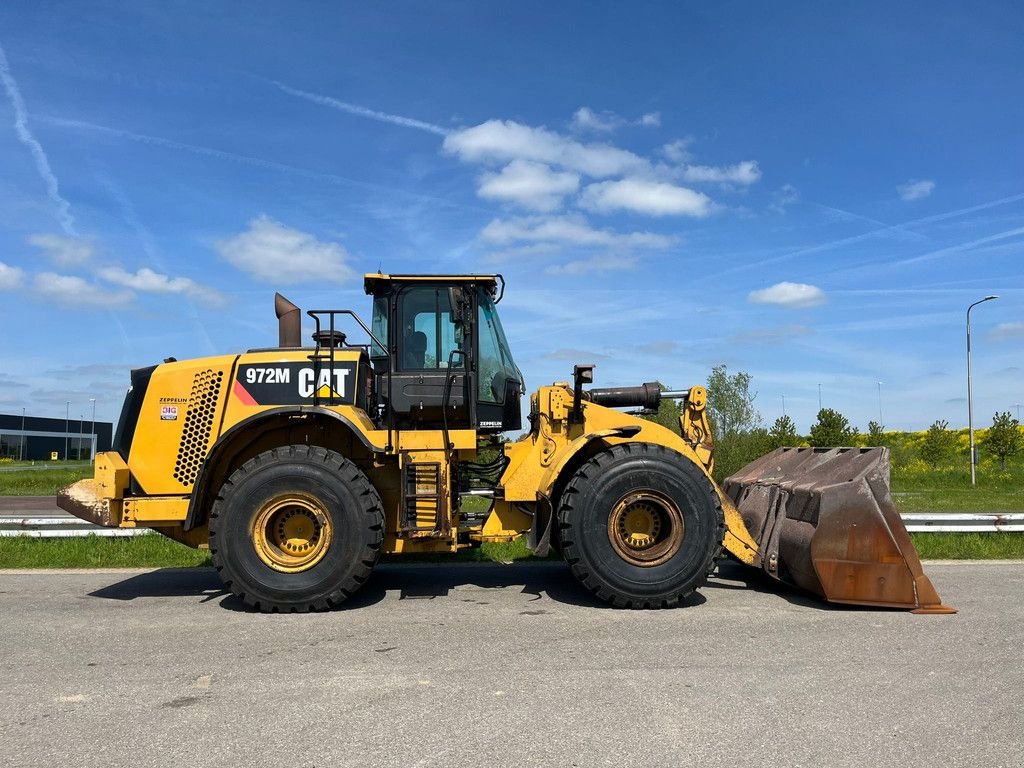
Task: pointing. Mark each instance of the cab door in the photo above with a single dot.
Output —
(427, 333)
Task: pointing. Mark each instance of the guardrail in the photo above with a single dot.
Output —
(916, 522)
(60, 527)
(963, 522)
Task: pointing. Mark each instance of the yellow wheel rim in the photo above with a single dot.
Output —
(645, 528)
(291, 533)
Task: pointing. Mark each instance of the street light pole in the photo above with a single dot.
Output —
(879, 403)
(970, 388)
(67, 427)
(92, 431)
(819, 398)
(21, 443)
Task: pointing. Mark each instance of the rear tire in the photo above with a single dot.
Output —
(297, 528)
(640, 526)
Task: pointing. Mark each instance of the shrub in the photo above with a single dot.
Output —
(875, 436)
(831, 430)
(939, 444)
(783, 433)
(1004, 437)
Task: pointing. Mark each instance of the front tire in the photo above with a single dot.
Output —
(640, 526)
(297, 528)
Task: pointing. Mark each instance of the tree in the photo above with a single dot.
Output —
(731, 403)
(739, 449)
(939, 444)
(668, 412)
(783, 433)
(1004, 437)
(831, 430)
(876, 435)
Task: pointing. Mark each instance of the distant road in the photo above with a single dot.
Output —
(42, 466)
(487, 665)
(30, 506)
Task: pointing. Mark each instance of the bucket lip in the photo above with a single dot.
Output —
(811, 467)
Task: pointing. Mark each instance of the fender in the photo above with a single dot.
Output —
(539, 538)
(199, 491)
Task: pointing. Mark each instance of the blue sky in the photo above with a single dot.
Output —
(811, 195)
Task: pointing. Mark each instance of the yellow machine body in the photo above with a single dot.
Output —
(192, 430)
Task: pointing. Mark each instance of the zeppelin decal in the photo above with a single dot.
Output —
(296, 384)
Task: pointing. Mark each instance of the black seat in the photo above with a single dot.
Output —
(416, 350)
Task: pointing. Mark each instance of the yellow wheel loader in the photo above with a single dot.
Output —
(297, 465)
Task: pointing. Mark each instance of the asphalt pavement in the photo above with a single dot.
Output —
(488, 665)
(30, 506)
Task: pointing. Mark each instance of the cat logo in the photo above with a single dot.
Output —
(168, 413)
(295, 383)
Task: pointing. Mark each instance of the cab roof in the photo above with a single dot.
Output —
(374, 281)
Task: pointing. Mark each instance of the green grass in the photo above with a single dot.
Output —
(151, 551)
(969, 546)
(917, 489)
(39, 462)
(154, 551)
(41, 482)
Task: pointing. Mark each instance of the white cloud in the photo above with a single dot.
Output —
(743, 173)
(784, 197)
(1007, 331)
(586, 119)
(654, 198)
(10, 277)
(507, 140)
(678, 151)
(567, 230)
(790, 295)
(70, 290)
(602, 263)
(532, 185)
(65, 251)
(574, 354)
(67, 223)
(915, 189)
(148, 281)
(271, 252)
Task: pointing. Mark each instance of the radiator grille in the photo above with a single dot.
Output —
(195, 436)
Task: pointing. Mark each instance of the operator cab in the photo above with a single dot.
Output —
(446, 352)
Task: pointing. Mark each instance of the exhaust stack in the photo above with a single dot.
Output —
(289, 322)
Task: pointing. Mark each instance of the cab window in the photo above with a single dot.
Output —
(429, 332)
(496, 364)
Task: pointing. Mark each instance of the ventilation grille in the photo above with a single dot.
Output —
(195, 437)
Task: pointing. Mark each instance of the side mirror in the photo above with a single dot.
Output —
(581, 374)
(460, 304)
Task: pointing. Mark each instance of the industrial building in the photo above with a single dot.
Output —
(39, 439)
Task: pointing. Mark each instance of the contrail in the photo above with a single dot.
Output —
(1010, 233)
(259, 162)
(895, 228)
(67, 222)
(152, 252)
(355, 109)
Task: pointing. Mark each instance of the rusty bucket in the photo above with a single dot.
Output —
(824, 521)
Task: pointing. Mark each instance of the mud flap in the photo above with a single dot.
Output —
(824, 521)
(539, 538)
